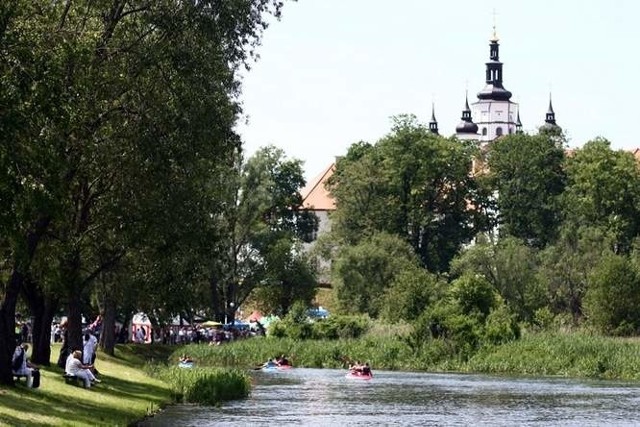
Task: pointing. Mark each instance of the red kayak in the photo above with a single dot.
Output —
(358, 376)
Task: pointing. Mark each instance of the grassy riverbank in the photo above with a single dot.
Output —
(128, 393)
(125, 395)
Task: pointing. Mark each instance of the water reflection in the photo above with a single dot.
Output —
(315, 397)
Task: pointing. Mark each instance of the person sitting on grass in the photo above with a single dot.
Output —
(77, 368)
(21, 366)
(185, 359)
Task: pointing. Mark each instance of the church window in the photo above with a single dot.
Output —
(498, 131)
(484, 131)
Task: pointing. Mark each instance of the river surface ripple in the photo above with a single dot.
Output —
(324, 397)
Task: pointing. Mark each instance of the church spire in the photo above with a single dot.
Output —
(433, 124)
(551, 115)
(466, 125)
(550, 120)
(494, 90)
(519, 124)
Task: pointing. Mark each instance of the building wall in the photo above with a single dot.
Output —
(491, 115)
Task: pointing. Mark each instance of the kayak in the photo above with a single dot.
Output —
(276, 368)
(358, 376)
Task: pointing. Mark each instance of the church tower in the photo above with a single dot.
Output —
(467, 130)
(550, 120)
(494, 112)
(433, 124)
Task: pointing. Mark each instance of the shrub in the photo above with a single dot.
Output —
(501, 326)
(207, 386)
(334, 327)
(612, 300)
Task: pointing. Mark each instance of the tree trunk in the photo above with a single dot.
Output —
(8, 305)
(7, 327)
(218, 313)
(74, 316)
(41, 354)
(42, 309)
(108, 335)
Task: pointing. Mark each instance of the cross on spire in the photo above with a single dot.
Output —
(495, 34)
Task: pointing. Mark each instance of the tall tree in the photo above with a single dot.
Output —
(511, 268)
(413, 184)
(261, 223)
(528, 175)
(603, 190)
(123, 111)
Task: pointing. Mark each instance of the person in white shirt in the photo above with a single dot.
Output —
(89, 348)
(77, 368)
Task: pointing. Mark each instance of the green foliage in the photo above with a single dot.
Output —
(412, 184)
(501, 326)
(613, 297)
(411, 291)
(566, 266)
(603, 190)
(474, 295)
(527, 171)
(512, 269)
(207, 386)
(567, 355)
(362, 273)
(261, 233)
(290, 279)
(334, 327)
(341, 327)
(469, 316)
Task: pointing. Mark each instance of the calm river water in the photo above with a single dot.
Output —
(324, 397)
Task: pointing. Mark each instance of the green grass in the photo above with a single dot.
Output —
(128, 393)
(208, 386)
(125, 395)
(567, 355)
(538, 354)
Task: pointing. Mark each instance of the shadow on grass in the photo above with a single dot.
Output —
(133, 355)
(115, 401)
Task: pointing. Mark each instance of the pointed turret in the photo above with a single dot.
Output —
(466, 126)
(519, 125)
(433, 124)
(550, 119)
(551, 115)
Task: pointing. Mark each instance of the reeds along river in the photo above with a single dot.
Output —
(324, 397)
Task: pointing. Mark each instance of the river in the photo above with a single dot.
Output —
(324, 397)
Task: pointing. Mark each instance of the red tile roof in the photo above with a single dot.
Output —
(315, 195)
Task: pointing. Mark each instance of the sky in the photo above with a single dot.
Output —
(333, 72)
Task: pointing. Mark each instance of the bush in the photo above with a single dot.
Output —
(341, 327)
(334, 327)
(612, 300)
(501, 326)
(208, 386)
